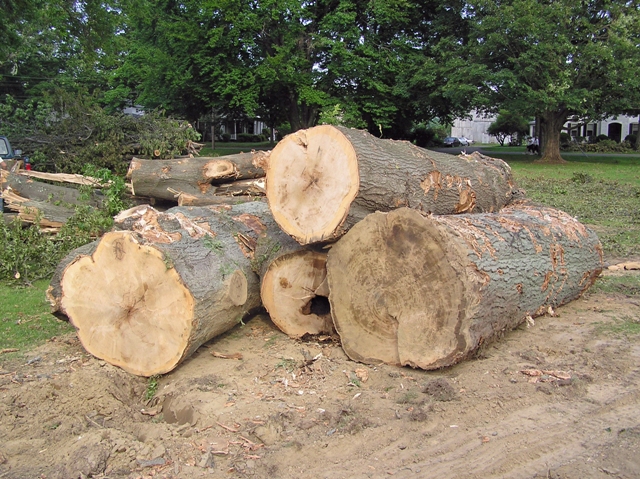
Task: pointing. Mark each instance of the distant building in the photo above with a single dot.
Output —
(616, 127)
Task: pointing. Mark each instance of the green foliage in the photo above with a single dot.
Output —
(64, 132)
(508, 124)
(28, 254)
(24, 316)
(553, 60)
(152, 387)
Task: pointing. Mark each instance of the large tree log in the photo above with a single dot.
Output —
(48, 215)
(146, 298)
(293, 278)
(26, 187)
(323, 180)
(430, 291)
(155, 178)
(294, 289)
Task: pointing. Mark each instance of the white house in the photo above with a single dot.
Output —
(616, 127)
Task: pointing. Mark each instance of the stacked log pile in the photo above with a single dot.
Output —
(414, 258)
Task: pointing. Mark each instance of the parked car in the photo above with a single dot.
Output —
(451, 141)
(465, 141)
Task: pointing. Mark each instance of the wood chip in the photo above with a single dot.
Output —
(226, 356)
(9, 350)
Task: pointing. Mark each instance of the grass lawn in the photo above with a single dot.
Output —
(25, 320)
(601, 191)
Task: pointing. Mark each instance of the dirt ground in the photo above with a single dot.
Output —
(279, 408)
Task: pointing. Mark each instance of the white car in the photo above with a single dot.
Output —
(464, 141)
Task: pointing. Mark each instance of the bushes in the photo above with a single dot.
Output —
(28, 254)
(68, 132)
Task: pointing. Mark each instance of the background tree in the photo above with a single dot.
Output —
(554, 60)
(508, 124)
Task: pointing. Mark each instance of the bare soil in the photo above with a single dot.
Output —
(556, 399)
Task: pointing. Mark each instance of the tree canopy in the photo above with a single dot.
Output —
(555, 59)
(384, 66)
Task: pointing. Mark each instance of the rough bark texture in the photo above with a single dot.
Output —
(147, 297)
(551, 125)
(428, 292)
(49, 215)
(323, 180)
(293, 287)
(162, 178)
(54, 194)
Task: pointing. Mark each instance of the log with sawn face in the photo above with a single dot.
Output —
(323, 180)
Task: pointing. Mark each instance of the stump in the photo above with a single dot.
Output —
(323, 180)
(428, 292)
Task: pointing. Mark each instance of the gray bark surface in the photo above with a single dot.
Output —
(162, 178)
(202, 256)
(54, 194)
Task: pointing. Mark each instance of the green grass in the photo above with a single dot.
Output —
(25, 320)
(233, 147)
(629, 285)
(601, 191)
(625, 326)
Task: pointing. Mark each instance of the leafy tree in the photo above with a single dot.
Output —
(287, 61)
(554, 59)
(70, 44)
(508, 124)
(64, 132)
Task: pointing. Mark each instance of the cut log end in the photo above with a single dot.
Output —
(136, 313)
(320, 167)
(401, 292)
(294, 292)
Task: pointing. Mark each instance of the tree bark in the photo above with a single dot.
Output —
(157, 178)
(48, 215)
(159, 289)
(293, 287)
(57, 195)
(551, 126)
(428, 292)
(322, 181)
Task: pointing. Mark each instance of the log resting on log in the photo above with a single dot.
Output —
(293, 278)
(145, 299)
(323, 180)
(428, 292)
(191, 175)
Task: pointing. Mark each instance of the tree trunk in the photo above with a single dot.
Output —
(57, 195)
(161, 288)
(551, 126)
(295, 292)
(321, 181)
(48, 215)
(158, 178)
(428, 292)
